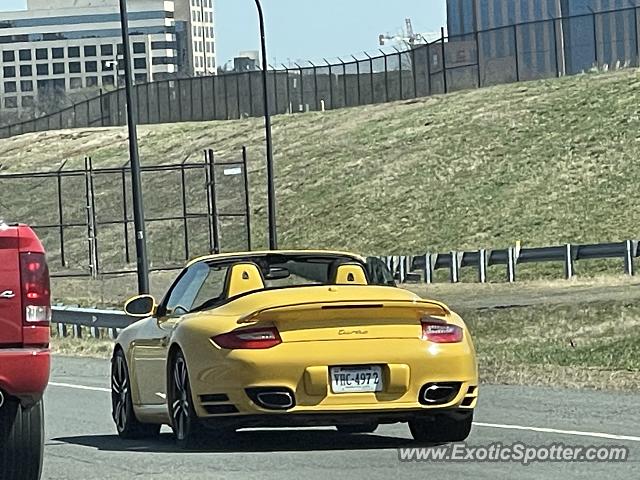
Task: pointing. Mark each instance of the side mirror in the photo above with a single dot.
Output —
(141, 306)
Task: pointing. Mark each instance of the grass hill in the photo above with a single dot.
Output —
(544, 162)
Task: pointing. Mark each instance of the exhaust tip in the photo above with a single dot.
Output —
(439, 393)
(272, 398)
(1, 399)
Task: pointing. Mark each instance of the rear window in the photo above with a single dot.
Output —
(296, 272)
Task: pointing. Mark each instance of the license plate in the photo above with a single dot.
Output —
(356, 379)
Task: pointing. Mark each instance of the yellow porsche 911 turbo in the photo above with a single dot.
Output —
(292, 339)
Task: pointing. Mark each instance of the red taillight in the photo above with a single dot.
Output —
(255, 338)
(439, 331)
(36, 293)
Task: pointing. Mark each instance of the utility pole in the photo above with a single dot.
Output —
(134, 157)
(271, 191)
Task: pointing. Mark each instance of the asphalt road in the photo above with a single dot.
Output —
(81, 443)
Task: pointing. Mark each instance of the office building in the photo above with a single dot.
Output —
(592, 32)
(58, 48)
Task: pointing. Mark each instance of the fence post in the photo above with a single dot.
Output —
(185, 222)
(125, 213)
(444, 62)
(414, 72)
(454, 266)
(371, 82)
(301, 86)
(315, 85)
(62, 330)
(94, 219)
(344, 81)
(386, 76)
(238, 101)
(214, 240)
(245, 168)
(251, 96)
(428, 50)
(91, 228)
(636, 19)
(428, 269)
(628, 258)
(225, 92)
(555, 42)
(358, 79)
(595, 38)
(178, 90)
(403, 268)
(482, 265)
(60, 215)
(95, 332)
(290, 107)
(274, 72)
(511, 265)
(101, 108)
(568, 262)
(400, 73)
(391, 265)
(477, 39)
(330, 82)
(515, 46)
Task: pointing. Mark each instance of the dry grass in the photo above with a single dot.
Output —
(544, 162)
(586, 336)
(82, 347)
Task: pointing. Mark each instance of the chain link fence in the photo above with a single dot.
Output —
(522, 52)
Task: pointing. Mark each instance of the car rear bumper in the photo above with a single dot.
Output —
(293, 420)
(24, 372)
(407, 366)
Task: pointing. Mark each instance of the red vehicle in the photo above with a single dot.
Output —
(25, 316)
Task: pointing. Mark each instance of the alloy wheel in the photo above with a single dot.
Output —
(180, 407)
(120, 393)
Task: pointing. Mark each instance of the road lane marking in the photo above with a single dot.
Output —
(609, 436)
(80, 387)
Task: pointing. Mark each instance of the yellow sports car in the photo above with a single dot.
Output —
(292, 339)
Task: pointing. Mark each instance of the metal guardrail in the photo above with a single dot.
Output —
(411, 268)
(94, 320)
(422, 267)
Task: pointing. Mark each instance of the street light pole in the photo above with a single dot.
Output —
(271, 191)
(136, 182)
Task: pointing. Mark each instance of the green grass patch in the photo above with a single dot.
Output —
(592, 344)
(544, 163)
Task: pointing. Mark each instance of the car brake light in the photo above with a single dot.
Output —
(36, 292)
(439, 331)
(254, 339)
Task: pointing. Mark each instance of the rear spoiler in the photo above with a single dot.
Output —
(423, 306)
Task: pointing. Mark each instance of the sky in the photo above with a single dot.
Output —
(299, 30)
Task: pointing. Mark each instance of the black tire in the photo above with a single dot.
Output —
(21, 441)
(354, 429)
(442, 427)
(186, 426)
(124, 417)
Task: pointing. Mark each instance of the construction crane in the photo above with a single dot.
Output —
(408, 37)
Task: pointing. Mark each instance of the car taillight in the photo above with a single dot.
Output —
(255, 338)
(439, 331)
(36, 293)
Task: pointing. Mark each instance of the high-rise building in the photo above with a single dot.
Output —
(592, 32)
(61, 47)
